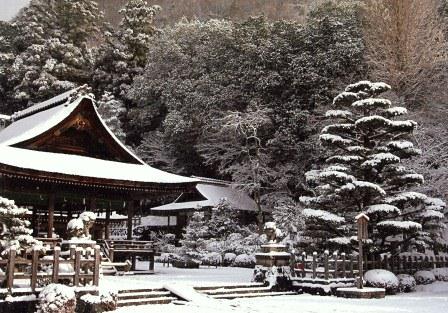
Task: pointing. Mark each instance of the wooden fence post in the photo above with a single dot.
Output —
(96, 267)
(55, 278)
(314, 264)
(326, 264)
(344, 274)
(303, 264)
(77, 266)
(11, 267)
(72, 252)
(34, 269)
(335, 260)
(352, 269)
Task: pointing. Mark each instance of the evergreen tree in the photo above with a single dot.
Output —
(124, 53)
(52, 48)
(193, 237)
(111, 110)
(16, 232)
(366, 142)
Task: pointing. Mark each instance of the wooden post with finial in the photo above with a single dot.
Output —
(362, 221)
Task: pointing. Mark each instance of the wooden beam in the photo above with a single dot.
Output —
(51, 201)
(130, 205)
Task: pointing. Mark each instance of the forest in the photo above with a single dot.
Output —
(244, 98)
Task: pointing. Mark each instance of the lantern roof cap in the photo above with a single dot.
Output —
(362, 216)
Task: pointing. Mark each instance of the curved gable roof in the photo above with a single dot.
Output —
(40, 118)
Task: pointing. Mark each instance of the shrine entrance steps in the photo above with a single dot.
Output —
(164, 296)
(252, 290)
(145, 297)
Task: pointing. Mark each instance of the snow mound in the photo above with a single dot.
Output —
(56, 298)
(440, 273)
(424, 277)
(382, 279)
(407, 283)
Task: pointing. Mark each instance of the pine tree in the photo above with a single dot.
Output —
(16, 232)
(124, 53)
(52, 48)
(193, 237)
(367, 142)
(111, 110)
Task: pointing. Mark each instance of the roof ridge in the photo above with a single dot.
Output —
(45, 105)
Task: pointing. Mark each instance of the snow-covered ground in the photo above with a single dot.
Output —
(167, 275)
(427, 299)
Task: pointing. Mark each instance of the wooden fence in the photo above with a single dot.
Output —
(82, 266)
(334, 266)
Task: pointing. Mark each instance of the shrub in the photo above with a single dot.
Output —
(229, 258)
(106, 301)
(407, 283)
(424, 277)
(441, 273)
(212, 258)
(244, 260)
(382, 279)
(56, 298)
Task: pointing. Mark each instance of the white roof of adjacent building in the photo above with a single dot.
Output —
(214, 192)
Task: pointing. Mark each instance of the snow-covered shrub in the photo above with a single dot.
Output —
(441, 273)
(16, 233)
(56, 298)
(229, 258)
(382, 279)
(244, 260)
(424, 277)
(106, 301)
(212, 258)
(407, 283)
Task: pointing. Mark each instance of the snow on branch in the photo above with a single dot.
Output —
(323, 216)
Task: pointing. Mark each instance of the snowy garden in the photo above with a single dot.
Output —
(231, 164)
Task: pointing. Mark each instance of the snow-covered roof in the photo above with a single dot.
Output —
(76, 165)
(42, 117)
(214, 194)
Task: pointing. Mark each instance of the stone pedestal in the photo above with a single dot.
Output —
(273, 254)
(364, 293)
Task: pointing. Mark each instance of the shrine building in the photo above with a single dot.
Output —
(58, 158)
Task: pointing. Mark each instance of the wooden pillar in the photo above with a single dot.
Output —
(92, 208)
(51, 201)
(34, 224)
(130, 205)
(107, 224)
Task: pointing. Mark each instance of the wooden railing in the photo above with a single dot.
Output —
(130, 249)
(333, 266)
(83, 267)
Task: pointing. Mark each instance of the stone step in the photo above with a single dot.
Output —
(223, 291)
(253, 295)
(143, 295)
(141, 290)
(234, 286)
(131, 302)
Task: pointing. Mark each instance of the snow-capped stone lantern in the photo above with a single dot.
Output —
(273, 262)
(272, 253)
